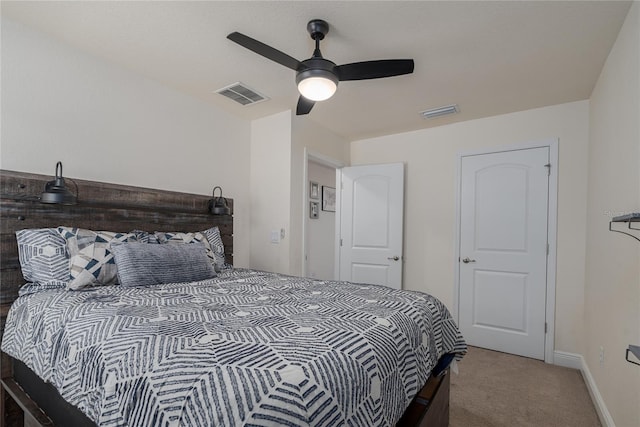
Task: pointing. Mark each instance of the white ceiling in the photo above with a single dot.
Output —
(488, 57)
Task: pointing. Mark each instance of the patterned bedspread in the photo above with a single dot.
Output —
(247, 348)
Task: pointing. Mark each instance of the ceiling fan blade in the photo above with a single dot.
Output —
(264, 50)
(374, 69)
(304, 106)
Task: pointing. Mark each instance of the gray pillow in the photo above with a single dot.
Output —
(43, 257)
(141, 264)
(215, 240)
(210, 238)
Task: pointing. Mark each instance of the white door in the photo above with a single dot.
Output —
(370, 224)
(503, 250)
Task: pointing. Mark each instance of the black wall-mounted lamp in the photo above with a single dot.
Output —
(218, 205)
(56, 191)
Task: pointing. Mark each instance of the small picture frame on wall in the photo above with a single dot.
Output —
(314, 190)
(314, 210)
(328, 199)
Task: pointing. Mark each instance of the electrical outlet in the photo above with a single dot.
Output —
(601, 356)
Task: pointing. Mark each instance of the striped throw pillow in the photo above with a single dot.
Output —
(142, 264)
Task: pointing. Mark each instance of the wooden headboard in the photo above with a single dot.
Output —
(101, 206)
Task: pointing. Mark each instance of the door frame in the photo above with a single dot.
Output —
(312, 156)
(552, 232)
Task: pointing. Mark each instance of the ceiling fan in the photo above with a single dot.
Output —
(317, 78)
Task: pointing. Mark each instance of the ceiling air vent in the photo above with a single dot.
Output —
(440, 111)
(242, 94)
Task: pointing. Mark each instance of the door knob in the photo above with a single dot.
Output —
(393, 258)
(467, 260)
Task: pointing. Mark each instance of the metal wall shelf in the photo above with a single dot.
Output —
(635, 350)
(629, 219)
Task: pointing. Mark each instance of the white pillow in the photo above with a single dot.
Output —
(92, 261)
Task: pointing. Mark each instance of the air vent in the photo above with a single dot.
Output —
(440, 111)
(242, 94)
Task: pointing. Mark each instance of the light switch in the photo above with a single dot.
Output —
(275, 236)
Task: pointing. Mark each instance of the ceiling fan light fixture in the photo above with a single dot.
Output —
(317, 88)
(317, 85)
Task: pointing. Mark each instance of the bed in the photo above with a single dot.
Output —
(242, 348)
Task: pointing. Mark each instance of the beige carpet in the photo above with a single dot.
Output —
(497, 389)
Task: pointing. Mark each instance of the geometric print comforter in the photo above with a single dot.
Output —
(246, 348)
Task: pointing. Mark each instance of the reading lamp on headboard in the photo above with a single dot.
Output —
(56, 191)
(218, 205)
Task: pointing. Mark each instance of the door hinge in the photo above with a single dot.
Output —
(548, 166)
(545, 327)
(547, 249)
(340, 242)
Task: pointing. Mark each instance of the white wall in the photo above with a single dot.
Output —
(321, 231)
(108, 124)
(430, 159)
(612, 295)
(271, 191)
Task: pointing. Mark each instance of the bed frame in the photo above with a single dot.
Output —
(25, 400)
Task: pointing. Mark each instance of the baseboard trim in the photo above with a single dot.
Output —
(567, 360)
(576, 361)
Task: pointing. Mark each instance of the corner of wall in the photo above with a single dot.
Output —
(270, 189)
(612, 285)
(576, 361)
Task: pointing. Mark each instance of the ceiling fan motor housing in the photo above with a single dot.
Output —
(317, 67)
